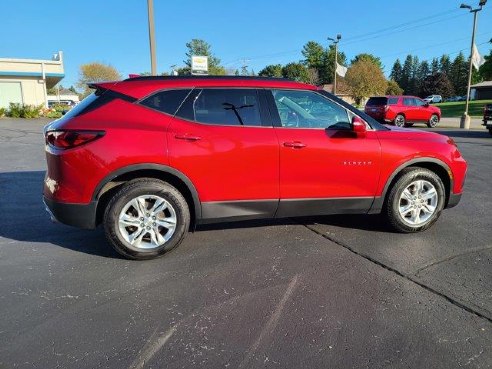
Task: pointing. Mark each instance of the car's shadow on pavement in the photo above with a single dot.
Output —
(26, 220)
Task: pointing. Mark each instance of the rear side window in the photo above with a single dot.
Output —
(166, 101)
(408, 101)
(223, 107)
(393, 101)
(377, 101)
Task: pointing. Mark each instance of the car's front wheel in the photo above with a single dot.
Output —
(400, 120)
(146, 218)
(433, 120)
(415, 201)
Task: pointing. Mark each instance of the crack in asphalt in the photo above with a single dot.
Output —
(486, 316)
(449, 258)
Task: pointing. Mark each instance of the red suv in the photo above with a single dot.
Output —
(151, 157)
(402, 110)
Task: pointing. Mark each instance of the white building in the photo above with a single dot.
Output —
(26, 81)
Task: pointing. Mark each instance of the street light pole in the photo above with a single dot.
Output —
(465, 118)
(335, 42)
(153, 61)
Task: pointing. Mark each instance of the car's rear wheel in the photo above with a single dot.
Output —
(146, 219)
(399, 120)
(415, 201)
(433, 120)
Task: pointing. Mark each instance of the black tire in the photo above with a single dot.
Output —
(400, 120)
(433, 120)
(392, 202)
(141, 187)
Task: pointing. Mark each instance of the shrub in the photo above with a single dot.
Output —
(2, 112)
(17, 110)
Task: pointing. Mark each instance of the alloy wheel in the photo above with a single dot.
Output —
(418, 202)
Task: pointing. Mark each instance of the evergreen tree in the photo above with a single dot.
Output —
(459, 74)
(423, 72)
(406, 74)
(434, 66)
(397, 72)
(445, 64)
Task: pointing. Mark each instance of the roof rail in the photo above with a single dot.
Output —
(172, 78)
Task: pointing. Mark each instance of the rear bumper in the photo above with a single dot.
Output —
(76, 215)
(454, 200)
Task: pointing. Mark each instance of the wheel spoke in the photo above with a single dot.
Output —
(404, 210)
(429, 194)
(159, 206)
(127, 220)
(136, 237)
(156, 237)
(415, 218)
(169, 223)
(428, 208)
(406, 193)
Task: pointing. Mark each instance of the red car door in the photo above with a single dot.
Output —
(217, 140)
(324, 166)
(410, 109)
(422, 110)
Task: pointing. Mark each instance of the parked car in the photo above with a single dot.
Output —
(487, 117)
(433, 99)
(149, 158)
(402, 110)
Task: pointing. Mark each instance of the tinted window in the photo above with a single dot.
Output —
(392, 101)
(307, 109)
(377, 101)
(419, 102)
(224, 107)
(166, 101)
(408, 101)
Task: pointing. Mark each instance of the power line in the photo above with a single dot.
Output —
(402, 24)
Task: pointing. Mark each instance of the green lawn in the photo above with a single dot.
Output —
(456, 109)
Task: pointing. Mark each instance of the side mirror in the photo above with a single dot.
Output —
(359, 126)
(426, 104)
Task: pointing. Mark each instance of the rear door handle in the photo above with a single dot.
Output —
(187, 137)
(295, 144)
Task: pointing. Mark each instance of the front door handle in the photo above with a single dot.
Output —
(187, 137)
(295, 144)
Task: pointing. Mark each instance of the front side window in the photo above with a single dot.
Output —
(237, 107)
(166, 101)
(393, 101)
(419, 102)
(308, 109)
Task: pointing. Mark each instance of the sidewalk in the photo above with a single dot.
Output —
(476, 123)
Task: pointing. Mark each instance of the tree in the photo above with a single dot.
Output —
(313, 53)
(96, 72)
(422, 73)
(397, 72)
(486, 68)
(296, 71)
(434, 66)
(313, 76)
(406, 74)
(459, 74)
(273, 70)
(369, 57)
(322, 60)
(445, 65)
(437, 84)
(365, 79)
(393, 88)
(197, 47)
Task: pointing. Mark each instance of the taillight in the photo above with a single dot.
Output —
(386, 107)
(70, 139)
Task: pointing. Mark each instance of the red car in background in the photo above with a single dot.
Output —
(402, 110)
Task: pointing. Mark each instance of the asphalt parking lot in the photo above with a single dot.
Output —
(326, 292)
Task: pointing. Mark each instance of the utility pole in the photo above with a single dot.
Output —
(153, 61)
(335, 42)
(465, 118)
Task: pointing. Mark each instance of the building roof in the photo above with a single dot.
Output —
(482, 84)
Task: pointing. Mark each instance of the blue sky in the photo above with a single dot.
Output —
(262, 32)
